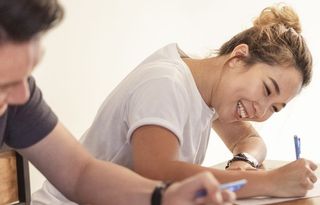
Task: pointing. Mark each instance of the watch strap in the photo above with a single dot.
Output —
(245, 158)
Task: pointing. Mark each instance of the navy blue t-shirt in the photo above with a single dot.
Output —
(24, 125)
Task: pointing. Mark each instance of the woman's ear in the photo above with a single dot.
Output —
(238, 53)
(240, 50)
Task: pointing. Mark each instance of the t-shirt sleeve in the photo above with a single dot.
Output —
(31, 122)
(161, 102)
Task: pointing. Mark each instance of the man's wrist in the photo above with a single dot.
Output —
(158, 192)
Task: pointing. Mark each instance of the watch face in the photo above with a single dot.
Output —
(242, 155)
(250, 158)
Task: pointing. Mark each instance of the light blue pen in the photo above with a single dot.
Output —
(231, 186)
(297, 146)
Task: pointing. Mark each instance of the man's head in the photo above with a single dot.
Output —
(21, 20)
(22, 23)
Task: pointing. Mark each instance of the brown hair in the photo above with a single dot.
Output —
(21, 20)
(275, 39)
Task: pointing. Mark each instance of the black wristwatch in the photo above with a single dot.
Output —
(245, 157)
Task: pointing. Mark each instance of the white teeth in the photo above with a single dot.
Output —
(241, 111)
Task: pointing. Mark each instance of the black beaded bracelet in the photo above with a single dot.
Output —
(156, 197)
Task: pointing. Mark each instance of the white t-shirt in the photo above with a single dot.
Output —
(160, 91)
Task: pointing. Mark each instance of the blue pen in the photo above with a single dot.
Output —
(231, 186)
(297, 146)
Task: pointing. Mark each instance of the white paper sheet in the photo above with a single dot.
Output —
(268, 200)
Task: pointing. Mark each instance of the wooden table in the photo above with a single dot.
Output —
(272, 164)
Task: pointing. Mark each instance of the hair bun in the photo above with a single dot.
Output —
(278, 14)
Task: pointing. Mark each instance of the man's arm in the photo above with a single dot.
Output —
(86, 180)
(241, 137)
(82, 178)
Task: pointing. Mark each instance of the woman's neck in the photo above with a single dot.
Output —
(207, 74)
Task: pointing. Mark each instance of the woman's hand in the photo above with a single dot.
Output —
(293, 179)
(184, 192)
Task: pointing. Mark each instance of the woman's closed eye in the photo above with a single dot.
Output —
(267, 89)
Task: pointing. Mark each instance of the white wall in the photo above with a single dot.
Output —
(100, 41)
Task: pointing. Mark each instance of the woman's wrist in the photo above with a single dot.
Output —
(271, 181)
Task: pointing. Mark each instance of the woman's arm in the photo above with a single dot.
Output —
(241, 137)
(156, 155)
(80, 177)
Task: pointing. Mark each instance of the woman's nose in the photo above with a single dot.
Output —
(261, 109)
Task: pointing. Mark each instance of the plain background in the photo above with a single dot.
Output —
(101, 41)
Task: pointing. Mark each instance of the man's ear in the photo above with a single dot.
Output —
(239, 52)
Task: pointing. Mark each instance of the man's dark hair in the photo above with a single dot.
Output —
(20, 20)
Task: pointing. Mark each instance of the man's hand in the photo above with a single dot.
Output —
(184, 192)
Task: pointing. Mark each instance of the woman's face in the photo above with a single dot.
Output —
(255, 93)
